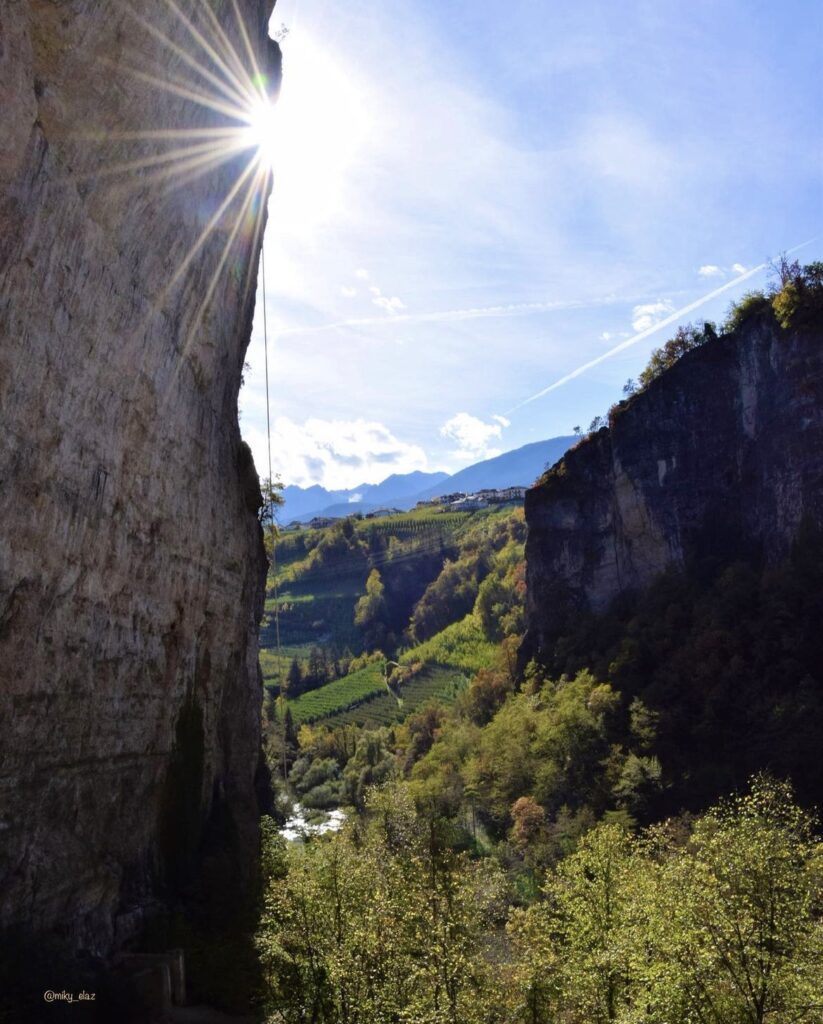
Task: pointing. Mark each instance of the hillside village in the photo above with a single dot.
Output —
(455, 502)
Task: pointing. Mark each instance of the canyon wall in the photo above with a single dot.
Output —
(722, 456)
(131, 558)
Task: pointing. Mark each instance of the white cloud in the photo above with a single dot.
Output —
(606, 336)
(354, 498)
(391, 305)
(472, 436)
(362, 274)
(347, 292)
(502, 420)
(712, 270)
(337, 454)
(646, 316)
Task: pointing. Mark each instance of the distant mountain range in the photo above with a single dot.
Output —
(518, 468)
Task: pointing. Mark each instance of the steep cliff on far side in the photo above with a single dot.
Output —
(678, 554)
(131, 557)
(720, 457)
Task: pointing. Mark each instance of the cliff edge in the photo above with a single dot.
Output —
(721, 457)
(131, 558)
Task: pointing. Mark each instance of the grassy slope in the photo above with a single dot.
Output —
(321, 605)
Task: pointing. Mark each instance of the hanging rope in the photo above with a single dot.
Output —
(272, 524)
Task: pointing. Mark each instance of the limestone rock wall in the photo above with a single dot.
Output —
(721, 456)
(131, 561)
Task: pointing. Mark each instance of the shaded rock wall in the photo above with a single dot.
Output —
(131, 561)
(720, 457)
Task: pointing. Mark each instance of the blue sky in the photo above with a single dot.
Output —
(473, 200)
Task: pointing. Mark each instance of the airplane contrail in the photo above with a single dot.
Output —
(677, 315)
(450, 315)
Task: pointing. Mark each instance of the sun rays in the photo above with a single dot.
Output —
(222, 91)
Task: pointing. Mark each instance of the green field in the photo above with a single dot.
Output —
(314, 609)
(436, 682)
(339, 695)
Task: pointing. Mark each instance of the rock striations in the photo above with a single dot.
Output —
(721, 456)
(131, 559)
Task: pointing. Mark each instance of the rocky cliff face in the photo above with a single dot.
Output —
(131, 562)
(722, 456)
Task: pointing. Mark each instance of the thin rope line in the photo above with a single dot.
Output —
(272, 524)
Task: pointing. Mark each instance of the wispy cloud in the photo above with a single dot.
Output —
(455, 315)
(347, 292)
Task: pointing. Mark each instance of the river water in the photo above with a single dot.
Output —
(298, 827)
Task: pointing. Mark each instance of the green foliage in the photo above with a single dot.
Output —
(461, 645)
(717, 927)
(728, 666)
(797, 296)
(551, 745)
(381, 923)
(500, 604)
(749, 305)
(714, 923)
(685, 340)
(448, 597)
(735, 933)
(271, 492)
(370, 610)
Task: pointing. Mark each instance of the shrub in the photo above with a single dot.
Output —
(747, 306)
(686, 339)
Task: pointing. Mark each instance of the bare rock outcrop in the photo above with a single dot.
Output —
(721, 457)
(131, 559)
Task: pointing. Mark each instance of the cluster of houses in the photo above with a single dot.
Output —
(459, 502)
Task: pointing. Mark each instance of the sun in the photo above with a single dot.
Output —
(315, 136)
(259, 131)
(294, 158)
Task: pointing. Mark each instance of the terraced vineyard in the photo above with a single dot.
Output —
(436, 682)
(339, 695)
(315, 610)
(415, 524)
(321, 576)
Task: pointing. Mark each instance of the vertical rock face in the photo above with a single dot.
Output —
(131, 561)
(721, 456)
